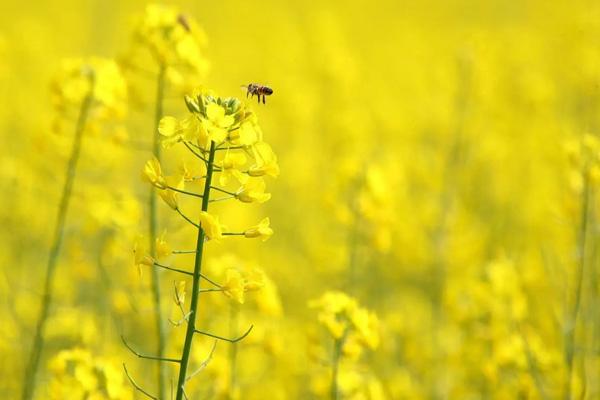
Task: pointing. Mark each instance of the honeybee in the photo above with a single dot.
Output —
(258, 90)
(184, 22)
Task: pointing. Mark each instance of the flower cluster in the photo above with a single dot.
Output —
(243, 158)
(224, 135)
(174, 40)
(345, 320)
(95, 83)
(77, 374)
(584, 161)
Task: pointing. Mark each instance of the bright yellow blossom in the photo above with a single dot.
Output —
(211, 226)
(253, 191)
(262, 230)
(170, 196)
(217, 122)
(231, 167)
(152, 173)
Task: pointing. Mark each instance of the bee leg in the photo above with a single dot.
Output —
(247, 93)
(258, 98)
(264, 99)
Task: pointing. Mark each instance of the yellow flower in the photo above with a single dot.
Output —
(97, 78)
(231, 166)
(86, 377)
(271, 168)
(255, 280)
(234, 286)
(342, 316)
(253, 191)
(248, 134)
(266, 161)
(216, 122)
(211, 226)
(262, 230)
(188, 129)
(162, 247)
(170, 196)
(141, 255)
(172, 38)
(153, 173)
(367, 325)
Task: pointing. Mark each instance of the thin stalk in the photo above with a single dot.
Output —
(160, 327)
(38, 341)
(571, 327)
(233, 350)
(191, 326)
(337, 352)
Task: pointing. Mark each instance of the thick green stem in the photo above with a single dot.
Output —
(160, 326)
(38, 340)
(191, 327)
(571, 326)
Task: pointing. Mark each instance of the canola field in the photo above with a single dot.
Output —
(300, 200)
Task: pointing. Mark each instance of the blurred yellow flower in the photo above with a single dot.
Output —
(162, 247)
(140, 251)
(234, 285)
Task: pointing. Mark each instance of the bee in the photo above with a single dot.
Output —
(258, 90)
(181, 19)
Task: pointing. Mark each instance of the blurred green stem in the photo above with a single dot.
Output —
(233, 349)
(38, 340)
(191, 327)
(160, 327)
(571, 326)
(338, 344)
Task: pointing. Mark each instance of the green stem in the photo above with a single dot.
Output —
(191, 326)
(38, 341)
(337, 352)
(571, 327)
(160, 327)
(233, 350)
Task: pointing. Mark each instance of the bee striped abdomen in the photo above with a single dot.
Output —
(258, 90)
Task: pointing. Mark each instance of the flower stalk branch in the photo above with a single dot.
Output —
(38, 340)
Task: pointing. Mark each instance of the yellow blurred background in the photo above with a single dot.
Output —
(439, 163)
